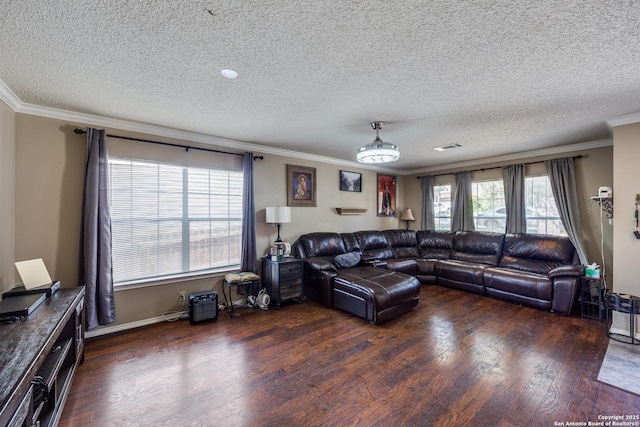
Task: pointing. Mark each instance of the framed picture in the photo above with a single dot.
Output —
(350, 181)
(301, 186)
(386, 195)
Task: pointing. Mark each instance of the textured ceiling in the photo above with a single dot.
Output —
(497, 77)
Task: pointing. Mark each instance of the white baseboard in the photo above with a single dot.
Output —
(123, 327)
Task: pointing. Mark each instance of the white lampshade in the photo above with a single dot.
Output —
(278, 215)
(407, 215)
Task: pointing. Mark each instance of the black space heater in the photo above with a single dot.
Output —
(203, 306)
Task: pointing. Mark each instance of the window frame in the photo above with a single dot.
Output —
(186, 219)
(494, 203)
(547, 196)
(442, 222)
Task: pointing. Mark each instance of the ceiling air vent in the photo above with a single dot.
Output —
(447, 147)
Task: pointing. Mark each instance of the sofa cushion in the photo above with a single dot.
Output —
(322, 244)
(321, 263)
(403, 265)
(351, 244)
(435, 244)
(536, 253)
(425, 267)
(519, 282)
(244, 276)
(403, 243)
(477, 247)
(373, 244)
(460, 271)
(350, 259)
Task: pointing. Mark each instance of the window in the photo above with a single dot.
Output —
(489, 213)
(168, 219)
(442, 206)
(542, 214)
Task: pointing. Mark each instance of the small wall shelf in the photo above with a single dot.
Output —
(350, 211)
(606, 204)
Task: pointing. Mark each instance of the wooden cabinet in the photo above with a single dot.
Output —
(283, 280)
(39, 359)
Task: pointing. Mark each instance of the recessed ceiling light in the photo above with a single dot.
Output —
(447, 147)
(228, 73)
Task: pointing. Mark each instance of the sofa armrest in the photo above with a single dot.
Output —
(321, 264)
(403, 265)
(318, 284)
(373, 262)
(567, 270)
(565, 291)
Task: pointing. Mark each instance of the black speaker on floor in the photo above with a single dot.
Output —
(203, 306)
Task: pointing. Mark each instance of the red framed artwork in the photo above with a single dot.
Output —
(386, 195)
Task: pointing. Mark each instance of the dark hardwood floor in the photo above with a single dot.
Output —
(458, 359)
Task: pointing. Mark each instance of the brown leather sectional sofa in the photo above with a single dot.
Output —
(376, 274)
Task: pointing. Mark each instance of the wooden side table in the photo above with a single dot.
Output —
(623, 303)
(283, 280)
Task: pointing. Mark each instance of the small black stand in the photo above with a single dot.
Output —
(592, 298)
(623, 303)
(228, 300)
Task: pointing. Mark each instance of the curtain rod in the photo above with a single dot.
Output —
(186, 147)
(486, 169)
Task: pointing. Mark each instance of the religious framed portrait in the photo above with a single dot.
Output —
(386, 195)
(301, 186)
(350, 181)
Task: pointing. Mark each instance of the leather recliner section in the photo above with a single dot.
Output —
(535, 270)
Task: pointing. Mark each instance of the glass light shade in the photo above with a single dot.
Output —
(378, 152)
(278, 215)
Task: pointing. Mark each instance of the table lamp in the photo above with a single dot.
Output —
(407, 216)
(278, 215)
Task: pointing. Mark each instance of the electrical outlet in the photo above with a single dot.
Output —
(183, 296)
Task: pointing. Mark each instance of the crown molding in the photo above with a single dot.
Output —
(9, 98)
(154, 130)
(12, 100)
(563, 149)
(626, 119)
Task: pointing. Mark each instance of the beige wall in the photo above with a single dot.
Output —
(48, 187)
(593, 170)
(271, 190)
(7, 196)
(626, 178)
(49, 176)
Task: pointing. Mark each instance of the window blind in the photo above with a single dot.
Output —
(171, 219)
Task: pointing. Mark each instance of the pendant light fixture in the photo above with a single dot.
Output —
(378, 151)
